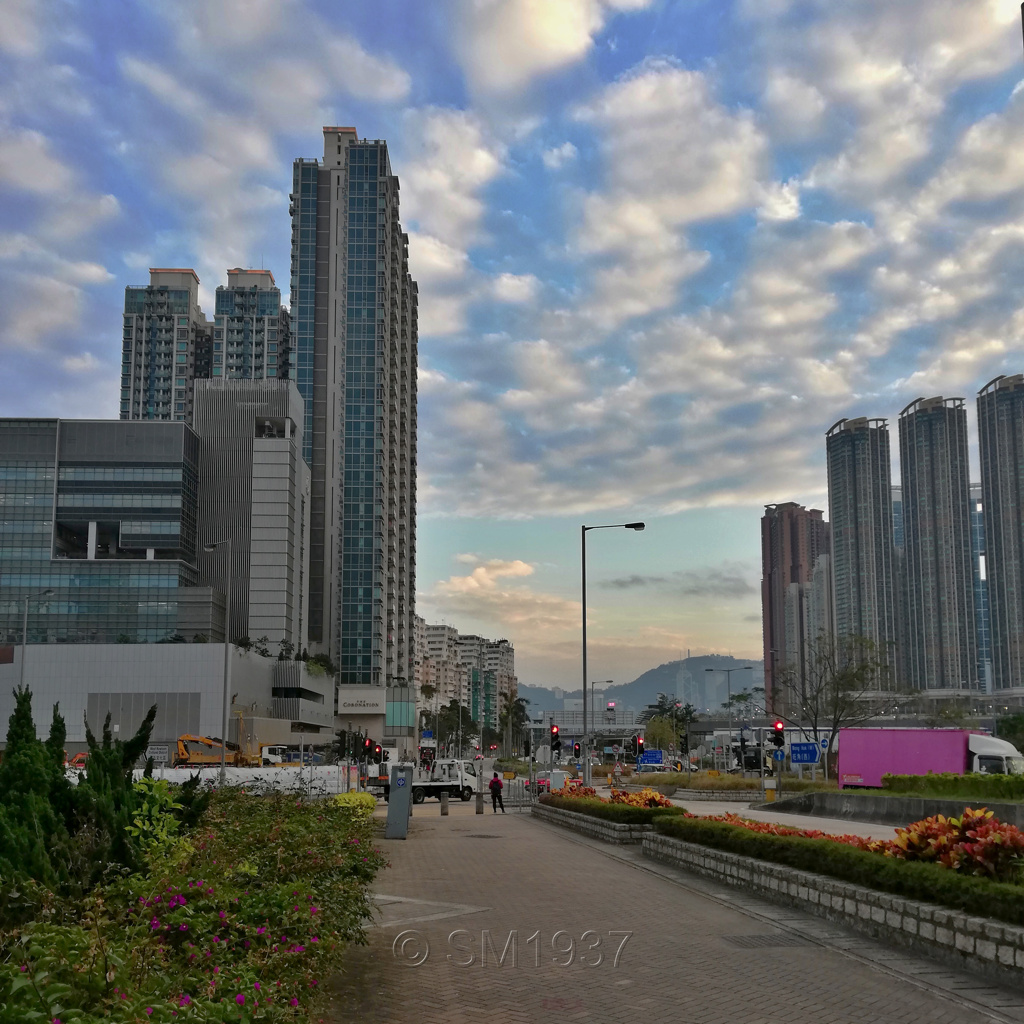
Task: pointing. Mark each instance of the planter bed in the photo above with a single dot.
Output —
(879, 807)
(977, 944)
(597, 828)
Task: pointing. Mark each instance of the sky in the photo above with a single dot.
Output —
(661, 247)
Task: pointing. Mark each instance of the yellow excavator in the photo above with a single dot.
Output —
(191, 752)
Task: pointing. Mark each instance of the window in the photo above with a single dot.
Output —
(218, 345)
(182, 346)
(183, 321)
(182, 333)
(218, 334)
(182, 358)
(179, 382)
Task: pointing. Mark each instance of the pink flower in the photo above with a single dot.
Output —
(182, 927)
(184, 1000)
(260, 931)
(257, 986)
(294, 1002)
(222, 915)
(149, 1011)
(240, 999)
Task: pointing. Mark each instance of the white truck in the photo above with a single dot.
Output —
(456, 778)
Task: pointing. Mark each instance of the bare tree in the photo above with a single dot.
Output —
(844, 683)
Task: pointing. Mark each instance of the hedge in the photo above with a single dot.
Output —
(929, 883)
(620, 814)
(958, 787)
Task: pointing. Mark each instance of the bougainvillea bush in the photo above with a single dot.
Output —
(238, 919)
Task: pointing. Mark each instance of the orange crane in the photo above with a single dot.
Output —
(189, 755)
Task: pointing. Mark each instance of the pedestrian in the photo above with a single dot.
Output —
(496, 786)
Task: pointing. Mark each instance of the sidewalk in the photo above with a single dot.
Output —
(649, 944)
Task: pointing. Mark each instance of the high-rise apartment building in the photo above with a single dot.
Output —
(1001, 442)
(254, 489)
(938, 634)
(981, 616)
(792, 539)
(860, 516)
(251, 336)
(354, 338)
(166, 345)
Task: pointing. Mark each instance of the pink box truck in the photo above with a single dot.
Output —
(865, 755)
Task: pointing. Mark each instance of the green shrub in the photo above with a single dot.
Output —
(946, 785)
(621, 814)
(257, 903)
(361, 804)
(914, 880)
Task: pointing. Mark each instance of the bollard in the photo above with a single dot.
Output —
(444, 803)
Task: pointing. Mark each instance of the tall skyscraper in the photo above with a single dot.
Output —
(1001, 441)
(939, 634)
(792, 539)
(251, 338)
(165, 347)
(860, 514)
(981, 617)
(354, 339)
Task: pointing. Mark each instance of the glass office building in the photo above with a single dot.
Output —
(98, 532)
(251, 338)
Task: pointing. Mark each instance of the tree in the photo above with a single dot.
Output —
(513, 721)
(844, 683)
(285, 650)
(680, 716)
(261, 646)
(659, 733)
(1011, 729)
(243, 643)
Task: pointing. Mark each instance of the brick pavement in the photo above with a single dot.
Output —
(696, 953)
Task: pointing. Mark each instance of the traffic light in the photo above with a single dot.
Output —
(634, 745)
(367, 747)
(385, 757)
(779, 737)
(378, 754)
(556, 740)
(526, 747)
(576, 748)
(639, 746)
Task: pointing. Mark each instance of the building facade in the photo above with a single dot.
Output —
(166, 345)
(254, 489)
(251, 333)
(860, 515)
(1001, 443)
(938, 631)
(354, 345)
(99, 533)
(792, 538)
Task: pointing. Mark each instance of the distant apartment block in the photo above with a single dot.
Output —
(251, 332)
(166, 345)
(1001, 443)
(860, 515)
(792, 540)
(938, 635)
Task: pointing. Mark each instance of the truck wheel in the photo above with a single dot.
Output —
(387, 796)
(419, 795)
(467, 795)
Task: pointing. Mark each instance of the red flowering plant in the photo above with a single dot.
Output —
(647, 797)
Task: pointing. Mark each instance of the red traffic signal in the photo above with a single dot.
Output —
(779, 725)
(640, 744)
(779, 736)
(554, 730)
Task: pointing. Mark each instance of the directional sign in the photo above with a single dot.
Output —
(652, 757)
(804, 753)
(824, 744)
(779, 755)
(400, 782)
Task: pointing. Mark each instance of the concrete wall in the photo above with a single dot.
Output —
(891, 810)
(127, 679)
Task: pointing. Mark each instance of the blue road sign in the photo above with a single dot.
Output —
(427, 734)
(400, 782)
(804, 753)
(824, 743)
(652, 757)
(779, 755)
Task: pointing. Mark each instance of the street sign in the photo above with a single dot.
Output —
(824, 744)
(779, 755)
(615, 748)
(652, 757)
(158, 752)
(804, 753)
(427, 734)
(400, 782)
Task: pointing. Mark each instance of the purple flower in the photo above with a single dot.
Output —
(240, 999)
(184, 1000)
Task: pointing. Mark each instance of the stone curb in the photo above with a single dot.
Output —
(976, 944)
(597, 828)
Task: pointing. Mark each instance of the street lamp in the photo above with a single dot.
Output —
(24, 630)
(227, 660)
(728, 686)
(583, 565)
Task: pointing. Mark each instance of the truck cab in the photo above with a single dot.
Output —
(993, 756)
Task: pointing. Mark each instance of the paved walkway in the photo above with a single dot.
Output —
(649, 943)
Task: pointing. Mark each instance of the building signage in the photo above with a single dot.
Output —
(362, 700)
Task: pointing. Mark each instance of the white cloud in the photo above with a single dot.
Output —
(515, 288)
(364, 75)
(506, 43)
(559, 156)
(27, 163)
(19, 29)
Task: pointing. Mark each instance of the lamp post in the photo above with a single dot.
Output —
(583, 587)
(227, 660)
(24, 631)
(728, 686)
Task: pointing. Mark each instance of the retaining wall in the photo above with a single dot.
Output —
(596, 828)
(889, 810)
(977, 944)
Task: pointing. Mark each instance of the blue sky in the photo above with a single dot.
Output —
(661, 248)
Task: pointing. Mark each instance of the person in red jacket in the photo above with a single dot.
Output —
(496, 786)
